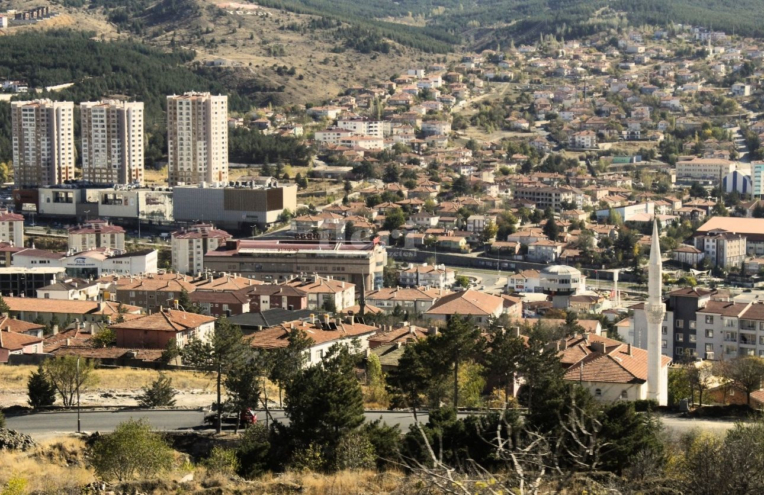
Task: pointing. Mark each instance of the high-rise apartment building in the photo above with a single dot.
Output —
(197, 138)
(43, 142)
(112, 142)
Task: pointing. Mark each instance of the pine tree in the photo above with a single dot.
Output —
(458, 342)
(40, 390)
(325, 402)
(4, 308)
(159, 394)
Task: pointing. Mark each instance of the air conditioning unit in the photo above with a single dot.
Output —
(709, 355)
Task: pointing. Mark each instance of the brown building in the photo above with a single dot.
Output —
(156, 330)
(269, 296)
(221, 303)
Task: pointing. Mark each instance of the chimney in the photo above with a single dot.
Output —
(326, 319)
(432, 331)
(55, 329)
(312, 319)
(350, 320)
(516, 331)
(629, 350)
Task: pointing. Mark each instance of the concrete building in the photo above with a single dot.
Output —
(96, 234)
(325, 293)
(751, 228)
(43, 142)
(361, 263)
(524, 281)
(363, 127)
(724, 249)
(24, 282)
(112, 142)
(549, 196)
(12, 228)
(415, 300)
(191, 244)
(90, 263)
(757, 179)
(197, 139)
(234, 207)
(561, 282)
(704, 169)
(437, 276)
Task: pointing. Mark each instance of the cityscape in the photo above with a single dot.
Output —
(266, 248)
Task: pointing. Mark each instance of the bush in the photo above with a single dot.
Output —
(159, 394)
(645, 405)
(40, 389)
(253, 452)
(132, 449)
(354, 451)
(386, 441)
(223, 461)
(309, 458)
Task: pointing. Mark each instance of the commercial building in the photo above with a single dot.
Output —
(237, 208)
(96, 234)
(151, 206)
(43, 142)
(90, 263)
(189, 246)
(361, 263)
(704, 169)
(112, 142)
(197, 139)
(24, 282)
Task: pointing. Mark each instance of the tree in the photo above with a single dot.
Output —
(65, 377)
(460, 186)
(132, 449)
(159, 394)
(253, 451)
(394, 218)
(392, 174)
(697, 191)
(551, 229)
(245, 384)
(375, 381)
(458, 342)
(489, 232)
(40, 390)
(700, 377)
(222, 354)
(502, 358)
(324, 402)
(409, 381)
(4, 308)
(104, 338)
(626, 433)
(185, 303)
(747, 374)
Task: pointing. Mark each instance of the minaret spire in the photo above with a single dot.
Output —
(657, 384)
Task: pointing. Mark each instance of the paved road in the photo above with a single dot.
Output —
(49, 424)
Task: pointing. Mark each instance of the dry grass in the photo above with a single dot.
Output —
(14, 378)
(341, 483)
(55, 467)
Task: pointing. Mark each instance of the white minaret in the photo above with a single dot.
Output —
(657, 388)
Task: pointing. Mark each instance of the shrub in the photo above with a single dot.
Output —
(309, 458)
(159, 394)
(132, 449)
(15, 486)
(253, 452)
(222, 461)
(354, 451)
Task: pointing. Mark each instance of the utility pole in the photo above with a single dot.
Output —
(79, 424)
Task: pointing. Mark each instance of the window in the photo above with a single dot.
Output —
(693, 337)
(692, 325)
(679, 324)
(709, 319)
(710, 334)
(664, 331)
(709, 347)
(624, 394)
(678, 351)
(598, 392)
(679, 337)
(664, 343)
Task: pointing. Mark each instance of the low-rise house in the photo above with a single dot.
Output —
(545, 250)
(415, 300)
(525, 281)
(689, 255)
(270, 296)
(220, 304)
(325, 293)
(478, 306)
(610, 370)
(18, 343)
(427, 276)
(323, 332)
(32, 309)
(71, 289)
(157, 330)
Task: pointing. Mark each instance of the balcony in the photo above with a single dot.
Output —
(747, 339)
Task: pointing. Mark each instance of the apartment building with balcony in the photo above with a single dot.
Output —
(727, 330)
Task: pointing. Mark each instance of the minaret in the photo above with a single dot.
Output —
(655, 310)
